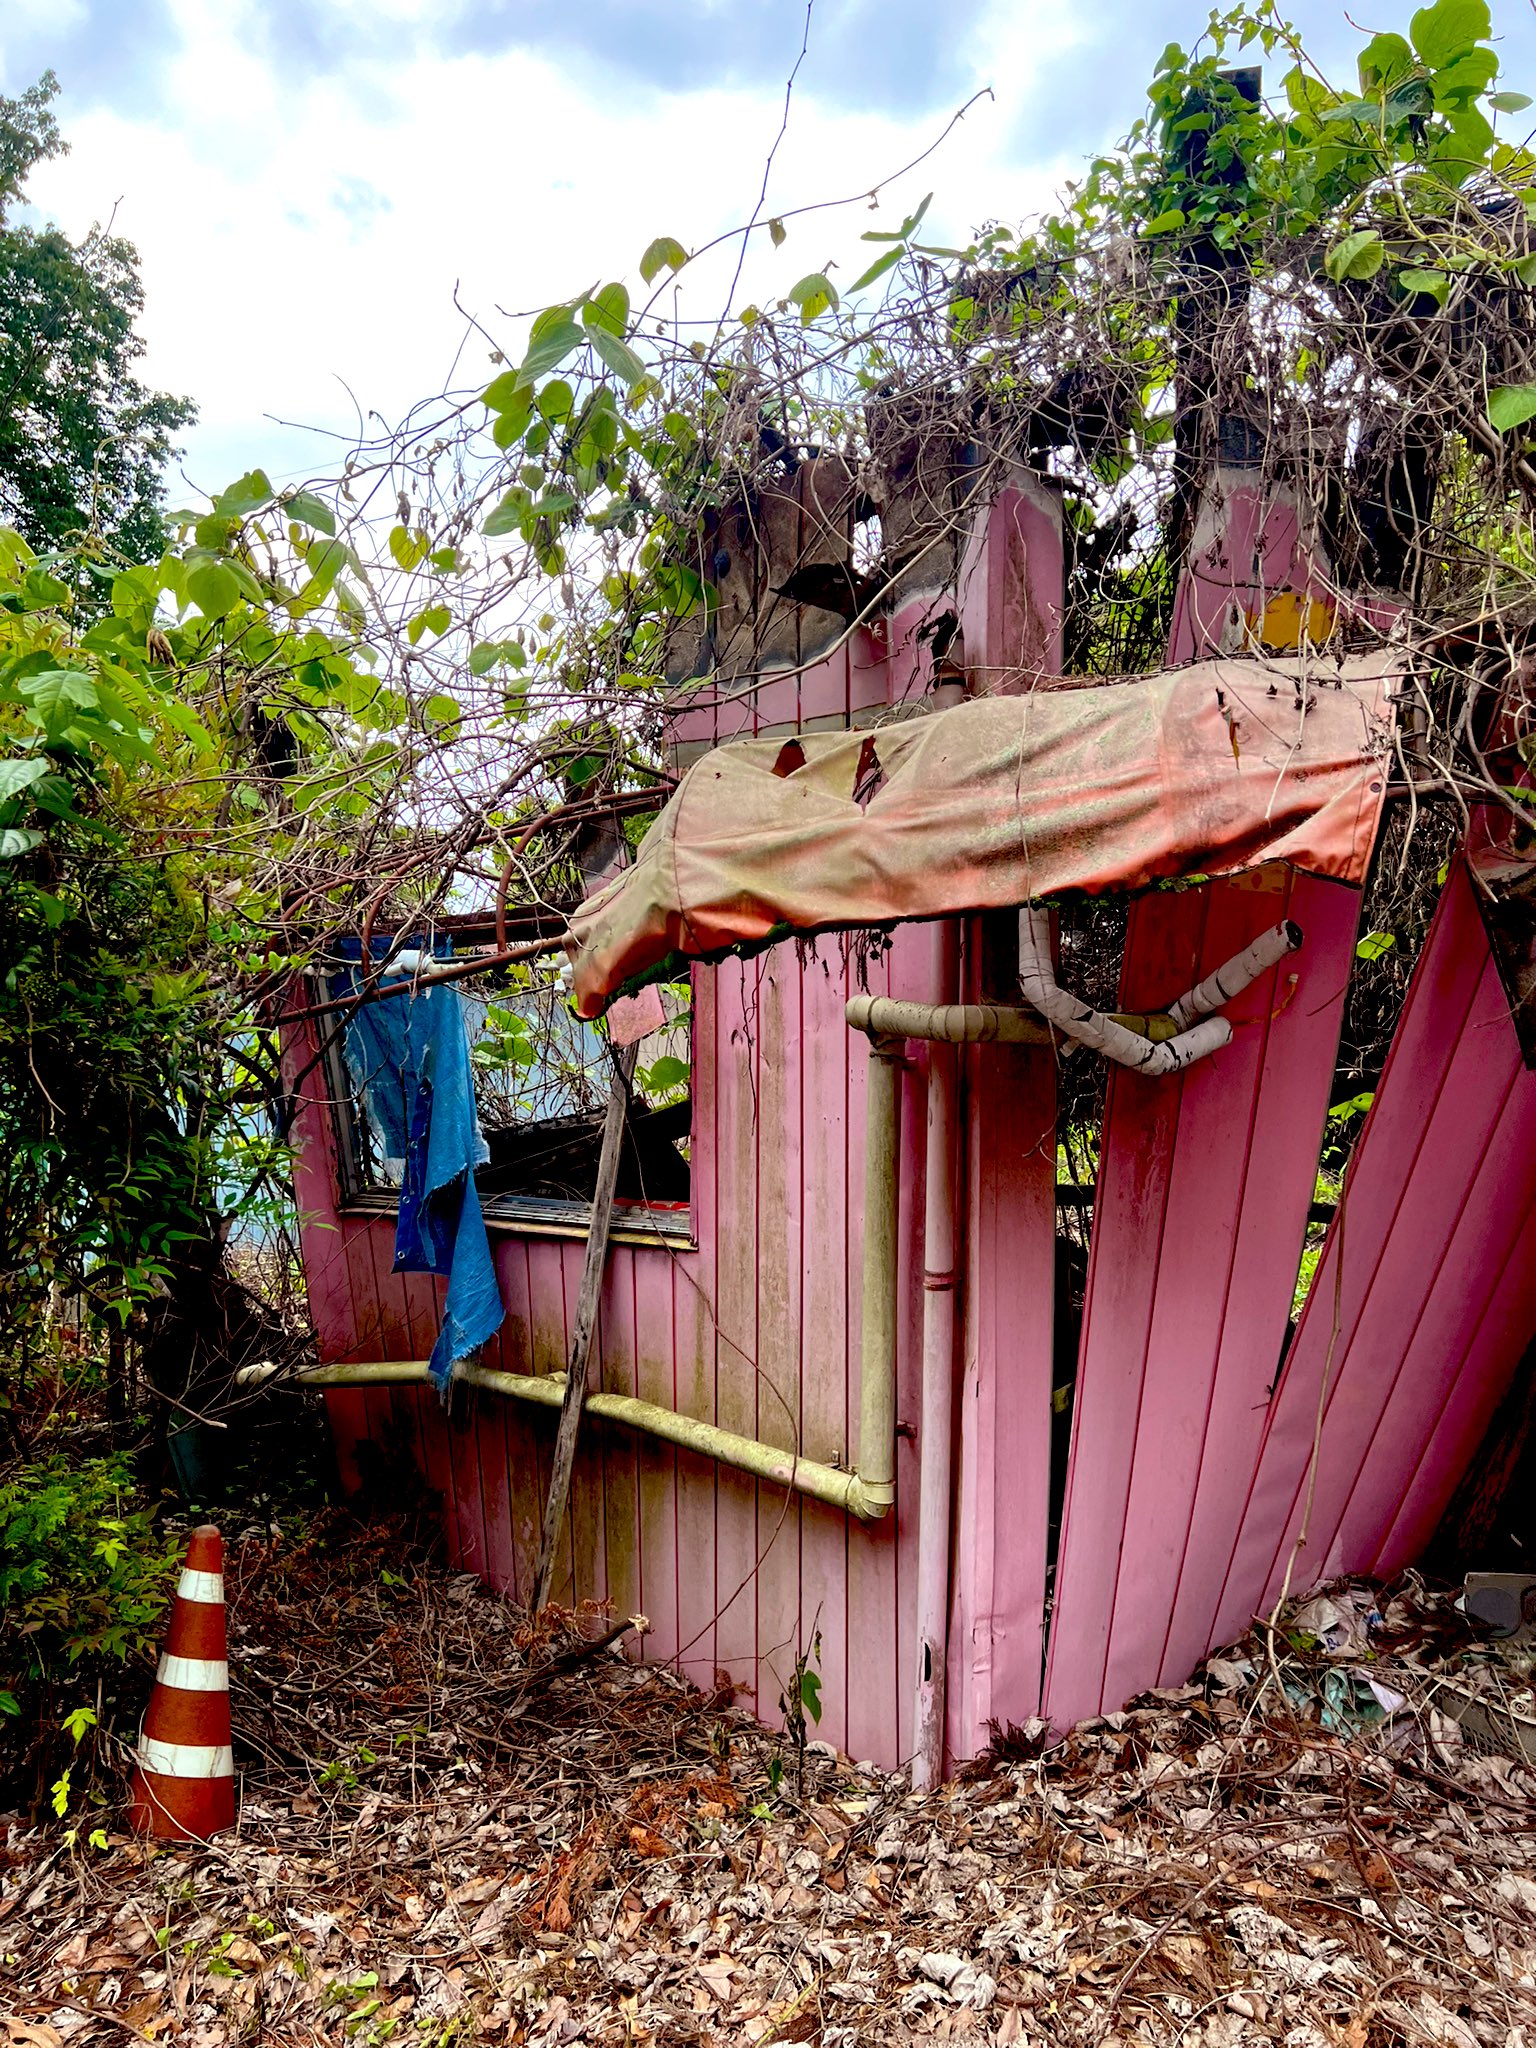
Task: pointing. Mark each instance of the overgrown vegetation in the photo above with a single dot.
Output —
(236, 733)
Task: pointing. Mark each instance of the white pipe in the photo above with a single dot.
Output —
(891, 1017)
(877, 1330)
(1266, 951)
(1075, 1019)
(936, 1422)
(949, 1023)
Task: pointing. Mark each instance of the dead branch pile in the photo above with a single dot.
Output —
(459, 1828)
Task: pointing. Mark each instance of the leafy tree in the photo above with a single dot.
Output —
(83, 444)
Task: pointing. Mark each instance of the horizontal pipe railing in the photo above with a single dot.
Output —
(892, 1018)
(829, 1483)
(948, 1023)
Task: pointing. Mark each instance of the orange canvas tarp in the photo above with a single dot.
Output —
(1200, 770)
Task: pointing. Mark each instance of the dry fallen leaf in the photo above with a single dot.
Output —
(717, 1977)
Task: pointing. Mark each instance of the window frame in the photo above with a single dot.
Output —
(507, 1214)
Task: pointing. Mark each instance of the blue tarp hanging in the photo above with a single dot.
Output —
(409, 1057)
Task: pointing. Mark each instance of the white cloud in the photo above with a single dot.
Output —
(301, 242)
(25, 18)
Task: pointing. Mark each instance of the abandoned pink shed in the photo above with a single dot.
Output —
(847, 1415)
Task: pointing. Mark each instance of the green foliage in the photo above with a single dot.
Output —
(1511, 406)
(135, 705)
(663, 254)
(506, 1041)
(800, 1703)
(83, 444)
(606, 450)
(85, 1574)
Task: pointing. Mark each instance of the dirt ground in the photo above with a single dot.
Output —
(456, 1828)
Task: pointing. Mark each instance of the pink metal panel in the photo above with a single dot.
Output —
(780, 1177)
(500, 1566)
(1487, 1367)
(1422, 1302)
(828, 1294)
(908, 667)
(1459, 1362)
(1248, 545)
(1201, 1210)
(616, 1362)
(1131, 1197)
(469, 1537)
(996, 1642)
(1294, 1053)
(869, 653)
(1223, 565)
(823, 689)
(585, 1512)
(692, 1300)
(818, 691)
(911, 962)
(346, 1411)
(737, 1033)
(655, 1276)
(1010, 589)
(757, 1328)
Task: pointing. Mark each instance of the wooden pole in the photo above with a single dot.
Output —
(586, 1323)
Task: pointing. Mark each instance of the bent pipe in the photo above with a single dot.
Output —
(828, 1483)
(1192, 1039)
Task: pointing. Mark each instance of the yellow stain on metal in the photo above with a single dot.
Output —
(1292, 620)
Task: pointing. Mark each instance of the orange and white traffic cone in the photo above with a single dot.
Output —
(184, 1786)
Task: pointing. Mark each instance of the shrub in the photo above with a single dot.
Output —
(86, 1574)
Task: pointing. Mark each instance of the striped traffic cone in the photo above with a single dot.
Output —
(185, 1782)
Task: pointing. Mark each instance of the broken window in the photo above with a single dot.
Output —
(541, 1078)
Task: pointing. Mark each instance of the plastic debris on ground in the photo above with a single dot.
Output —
(457, 1828)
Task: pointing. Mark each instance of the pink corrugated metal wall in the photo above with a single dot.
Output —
(1200, 1212)
(756, 1328)
(1423, 1301)
(1188, 1482)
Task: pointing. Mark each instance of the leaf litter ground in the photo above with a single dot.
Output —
(456, 1827)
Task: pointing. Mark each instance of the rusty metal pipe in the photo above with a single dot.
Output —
(829, 1483)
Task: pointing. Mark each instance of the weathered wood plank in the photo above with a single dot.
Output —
(738, 1078)
(826, 1288)
(1300, 1031)
(1141, 1117)
(781, 1167)
(1447, 1007)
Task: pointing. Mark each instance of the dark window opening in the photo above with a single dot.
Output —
(541, 1079)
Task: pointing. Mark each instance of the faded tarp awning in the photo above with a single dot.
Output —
(1200, 770)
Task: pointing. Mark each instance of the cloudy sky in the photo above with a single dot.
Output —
(311, 183)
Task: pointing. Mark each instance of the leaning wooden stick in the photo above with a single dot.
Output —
(586, 1323)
